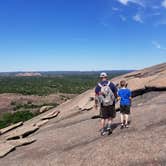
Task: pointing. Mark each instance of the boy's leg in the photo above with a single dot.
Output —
(122, 120)
(126, 120)
(127, 113)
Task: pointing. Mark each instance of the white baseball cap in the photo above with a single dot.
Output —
(103, 74)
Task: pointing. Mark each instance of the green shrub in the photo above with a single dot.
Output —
(12, 118)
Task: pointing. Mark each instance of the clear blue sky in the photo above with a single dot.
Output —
(39, 35)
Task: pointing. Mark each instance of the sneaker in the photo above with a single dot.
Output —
(103, 132)
(126, 126)
(122, 126)
(109, 130)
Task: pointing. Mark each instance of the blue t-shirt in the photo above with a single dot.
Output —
(124, 95)
(112, 87)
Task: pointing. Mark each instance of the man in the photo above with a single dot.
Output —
(105, 95)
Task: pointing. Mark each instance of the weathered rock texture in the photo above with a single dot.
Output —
(153, 78)
(9, 128)
(22, 132)
(73, 138)
(45, 108)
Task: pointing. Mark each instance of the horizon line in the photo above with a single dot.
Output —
(42, 71)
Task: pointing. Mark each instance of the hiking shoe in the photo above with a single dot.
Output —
(109, 130)
(103, 132)
(126, 126)
(122, 126)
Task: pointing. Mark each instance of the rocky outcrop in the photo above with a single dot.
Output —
(21, 142)
(45, 108)
(5, 148)
(73, 138)
(41, 123)
(51, 115)
(8, 146)
(149, 79)
(9, 128)
(22, 132)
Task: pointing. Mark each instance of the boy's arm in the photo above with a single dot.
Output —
(130, 96)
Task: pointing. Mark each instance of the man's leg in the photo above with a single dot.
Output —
(103, 131)
(109, 129)
(102, 123)
(109, 123)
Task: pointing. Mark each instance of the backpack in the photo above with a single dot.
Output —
(106, 97)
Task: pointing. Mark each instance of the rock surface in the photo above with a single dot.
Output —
(73, 138)
(45, 108)
(41, 123)
(9, 128)
(21, 142)
(153, 77)
(5, 148)
(21, 132)
(51, 115)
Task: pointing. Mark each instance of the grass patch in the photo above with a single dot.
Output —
(12, 118)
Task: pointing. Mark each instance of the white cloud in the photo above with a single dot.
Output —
(163, 3)
(138, 18)
(157, 45)
(125, 2)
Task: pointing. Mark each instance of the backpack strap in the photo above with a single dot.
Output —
(100, 85)
(108, 83)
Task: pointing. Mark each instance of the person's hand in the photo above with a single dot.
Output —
(118, 98)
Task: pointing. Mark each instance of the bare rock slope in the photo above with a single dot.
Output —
(72, 138)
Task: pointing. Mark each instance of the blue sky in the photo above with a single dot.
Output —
(40, 35)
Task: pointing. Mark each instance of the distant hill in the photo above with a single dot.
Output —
(32, 74)
(60, 73)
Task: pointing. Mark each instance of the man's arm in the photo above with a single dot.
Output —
(97, 90)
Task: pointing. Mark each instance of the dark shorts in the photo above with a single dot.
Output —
(107, 112)
(125, 109)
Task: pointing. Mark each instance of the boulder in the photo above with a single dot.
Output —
(51, 115)
(45, 108)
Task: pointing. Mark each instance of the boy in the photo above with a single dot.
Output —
(125, 102)
(106, 93)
